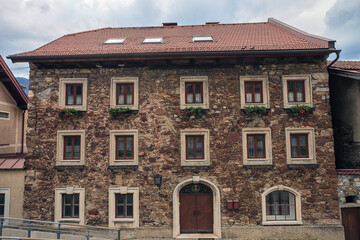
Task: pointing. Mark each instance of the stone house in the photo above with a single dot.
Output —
(13, 106)
(206, 145)
(344, 82)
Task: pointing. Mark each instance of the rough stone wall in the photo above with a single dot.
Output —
(159, 122)
(348, 185)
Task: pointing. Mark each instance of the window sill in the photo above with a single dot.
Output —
(123, 220)
(62, 167)
(69, 220)
(202, 105)
(259, 166)
(281, 223)
(195, 168)
(123, 167)
(302, 166)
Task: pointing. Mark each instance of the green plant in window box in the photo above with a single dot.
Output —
(118, 111)
(301, 109)
(255, 110)
(192, 112)
(67, 112)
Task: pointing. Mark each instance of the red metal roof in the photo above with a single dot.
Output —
(13, 85)
(348, 171)
(12, 163)
(271, 35)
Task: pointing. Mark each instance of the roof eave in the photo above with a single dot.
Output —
(15, 59)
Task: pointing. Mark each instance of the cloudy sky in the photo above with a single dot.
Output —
(29, 24)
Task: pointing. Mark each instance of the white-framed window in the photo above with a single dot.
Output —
(257, 147)
(4, 115)
(281, 205)
(124, 207)
(254, 91)
(195, 147)
(70, 148)
(70, 205)
(4, 202)
(73, 93)
(124, 92)
(194, 92)
(297, 90)
(124, 150)
(300, 145)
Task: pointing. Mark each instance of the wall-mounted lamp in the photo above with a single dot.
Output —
(158, 180)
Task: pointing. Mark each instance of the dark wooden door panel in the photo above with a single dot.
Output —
(187, 213)
(204, 209)
(350, 218)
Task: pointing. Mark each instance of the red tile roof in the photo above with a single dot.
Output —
(12, 85)
(348, 171)
(350, 65)
(271, 35)
(12, 163)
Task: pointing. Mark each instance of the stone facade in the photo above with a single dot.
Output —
(159, 121)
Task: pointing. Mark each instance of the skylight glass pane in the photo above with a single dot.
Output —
(115, 41)
(153, 40)
(203, 39)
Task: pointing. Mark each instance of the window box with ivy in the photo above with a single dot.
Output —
(121, 111)
(194, 112)
(70, 112)
(255, 110)
(300, 109)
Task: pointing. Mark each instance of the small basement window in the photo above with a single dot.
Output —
(203, 39)
(350, 199)
(115, 41)
(4, 115)
(153, 40)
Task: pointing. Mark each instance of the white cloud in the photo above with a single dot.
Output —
(29, 24)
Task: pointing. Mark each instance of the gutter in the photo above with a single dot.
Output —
(23, 132)
(15, 59)
(337, 57)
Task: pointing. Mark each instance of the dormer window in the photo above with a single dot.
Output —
(153, 40)
(115, 41)
(203, 39)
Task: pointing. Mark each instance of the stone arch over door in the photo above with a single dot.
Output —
(216, 209)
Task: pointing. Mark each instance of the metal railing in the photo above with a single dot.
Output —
(58, 229)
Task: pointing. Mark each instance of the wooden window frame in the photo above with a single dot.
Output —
(194, 92)
(114, 92)
(295, 90)
(297, 213)
(205, 160)
(311, 145)
(187, 152)
(4, 204)
(61, 159)
(307, 90)
(253, 92)
(265, 160)
(298, 135)
(72, 205)
(125, 205)
(255, 145)
(125, 93)
(205, 91)
(265, 95)
(63, 93)
(58, 214)
(74, 97)
(287, 205)
(117, 144)
(126, 161)
(73, 137)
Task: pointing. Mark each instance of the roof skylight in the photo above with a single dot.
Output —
(153, 40)
(203, 39)
(115, 41)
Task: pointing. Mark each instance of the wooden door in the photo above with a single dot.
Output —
(350, 218)
(196, 210)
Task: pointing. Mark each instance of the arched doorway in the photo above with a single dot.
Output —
(179, 192)
(196, 209)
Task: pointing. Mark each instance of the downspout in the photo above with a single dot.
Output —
(337, 57)
(22, 132)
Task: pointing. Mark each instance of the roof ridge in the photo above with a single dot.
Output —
(312, 38)
(93, 30)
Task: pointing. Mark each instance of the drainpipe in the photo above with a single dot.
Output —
(337, 57)
(22, 132)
